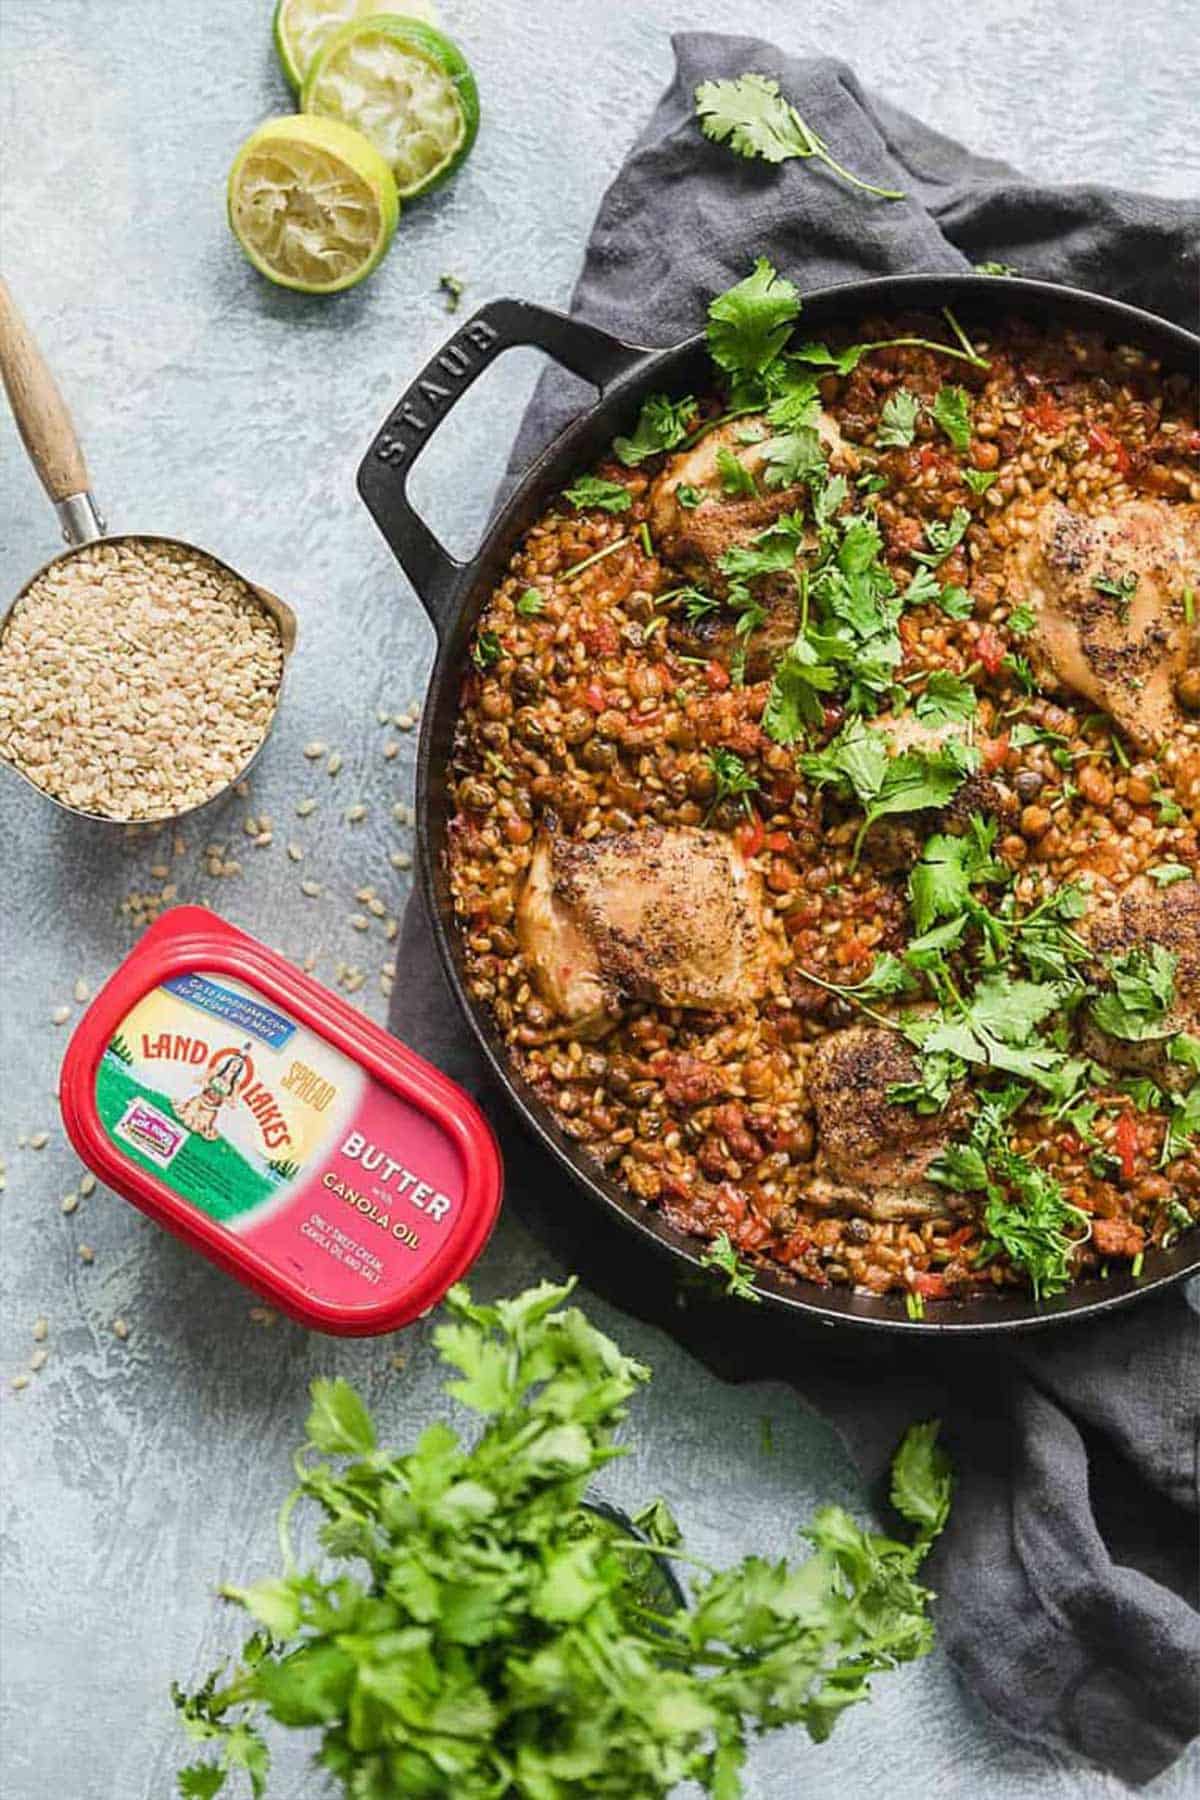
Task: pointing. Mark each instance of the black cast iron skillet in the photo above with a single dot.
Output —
(453, 593)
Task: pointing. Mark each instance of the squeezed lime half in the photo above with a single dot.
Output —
(407, 88)
(312, 203)
(304, 27)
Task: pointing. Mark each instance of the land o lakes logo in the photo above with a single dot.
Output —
(228, 1077)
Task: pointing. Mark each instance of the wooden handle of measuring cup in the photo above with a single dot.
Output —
(39, 409)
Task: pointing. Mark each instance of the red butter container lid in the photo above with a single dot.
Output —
(277, 1130)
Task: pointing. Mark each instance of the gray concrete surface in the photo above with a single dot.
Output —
(140, 1474)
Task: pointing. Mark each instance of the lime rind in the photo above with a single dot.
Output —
(312, 203)
(302, 28)
(407, 88)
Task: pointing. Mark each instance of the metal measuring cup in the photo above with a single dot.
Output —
(54, 450)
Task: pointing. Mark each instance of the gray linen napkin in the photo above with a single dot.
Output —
(1068, 1575)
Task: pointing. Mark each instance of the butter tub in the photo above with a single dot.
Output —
(278, 1131)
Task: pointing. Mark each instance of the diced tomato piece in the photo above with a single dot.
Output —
(1104, 443)
(958, 1238)
(931, 1286)
(717, 676)
(778, 841)
(990, 650)
(1070, 1143)
(602, 638)
(994, 752)
(1045, 413)
(751, 836)
(929, 457)
(594, 696)
(1127, 1145)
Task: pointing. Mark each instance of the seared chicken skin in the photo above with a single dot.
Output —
(1170, 917)
(673, 916)
(1126, 644)
(872, 1154)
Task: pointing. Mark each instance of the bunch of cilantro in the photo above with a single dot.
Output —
(476, 1631)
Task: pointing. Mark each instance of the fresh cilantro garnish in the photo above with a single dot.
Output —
(858, 758)
(531, 603)
(793, 705)
(946, 697)
(1120, 588)
(980, 480)
(473, 1627)
(1135, 1009)
(1026, 1215)
(688, 496)
(939, 885)
(1183, 1123)
(721, 1256)
(793, 456)
(994, 268)
(1021, 670)
(898, 420)
(749, 325)
(1168, 873)
(922, 589)
(594, 490)
(662, 424)
(735, 477)
(733, 780)
(943, 535)
(452, 287)
(955, 602)
(951, 411)
(1021, 620)
(487, 649)
(753, 118)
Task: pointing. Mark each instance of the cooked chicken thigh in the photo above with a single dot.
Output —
(1143, 916)
(696, 537)
(671, 916)
(1111, 624)
(872, 1154)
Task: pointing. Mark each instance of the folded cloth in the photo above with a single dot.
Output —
(1067, 1577)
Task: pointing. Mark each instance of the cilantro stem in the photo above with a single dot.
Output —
(701, 431)
(694, 1562)
(821, 152)
(972, 353)
(579, 567)
(921, 343)
(847, 993)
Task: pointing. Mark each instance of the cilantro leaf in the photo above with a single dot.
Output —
(339, 1423)
(662, 424)
(980, 480)
(735, 477)
(201, 1781)
(793, 705)
(793, 456)
(1135, 1009)
(945, 698)
(943, 536)
(753, 118)
(898, 420)
(721, 1256)
(594, 490)
(531, 603)
(1168, 873)
(955, 602)
(922, 1479)
(731, 778)
(951, 411)
(749, 325)
(1021, 620)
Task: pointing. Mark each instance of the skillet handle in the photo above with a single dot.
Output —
(587, 351)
